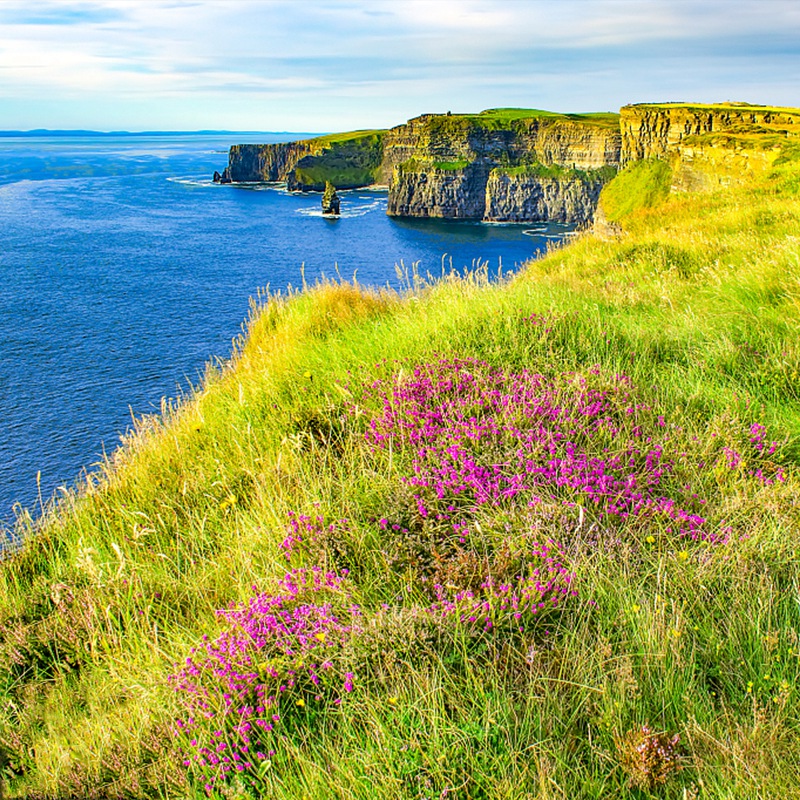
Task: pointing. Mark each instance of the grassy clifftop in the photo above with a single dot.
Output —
(536, 539)
(500, 118)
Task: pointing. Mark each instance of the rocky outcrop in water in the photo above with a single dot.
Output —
(330, 201)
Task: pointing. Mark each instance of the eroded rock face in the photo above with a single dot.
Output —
(330, 201)
(659, 131)
(258, 163)
(707, 146)
(532, 198)
(440, 166)
(434, 192)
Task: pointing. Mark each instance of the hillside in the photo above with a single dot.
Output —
(531, 539)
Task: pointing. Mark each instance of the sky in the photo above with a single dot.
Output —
(329, 65)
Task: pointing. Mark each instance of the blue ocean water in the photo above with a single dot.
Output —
(124, 270)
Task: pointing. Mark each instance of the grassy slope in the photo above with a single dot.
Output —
(347, 160)
(347, 136)
(698, 304)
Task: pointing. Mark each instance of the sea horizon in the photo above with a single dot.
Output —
(126, 271)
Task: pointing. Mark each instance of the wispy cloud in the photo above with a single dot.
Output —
(341, 63)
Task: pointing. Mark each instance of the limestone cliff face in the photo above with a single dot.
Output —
(430, 191)
(256, 163)
(707, 146)
(546, 139)
(453, 166)
(517, 196)
(659, 131)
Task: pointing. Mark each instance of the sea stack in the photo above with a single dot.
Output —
(330, 201)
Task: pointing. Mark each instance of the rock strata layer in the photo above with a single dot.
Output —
(520, 196)
(707, 146)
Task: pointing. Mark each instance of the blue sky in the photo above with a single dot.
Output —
(314, 65)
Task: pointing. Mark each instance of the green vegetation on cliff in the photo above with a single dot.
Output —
(499, 118)
(643, 184)
(614, 434)
(347, 160)
(558, 172)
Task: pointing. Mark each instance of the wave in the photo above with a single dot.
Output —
(535, 231)
(348, 211)
(190, 181)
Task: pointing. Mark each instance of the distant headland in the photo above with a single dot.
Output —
(517, 164)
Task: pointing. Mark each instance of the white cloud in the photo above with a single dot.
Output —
(304, 55)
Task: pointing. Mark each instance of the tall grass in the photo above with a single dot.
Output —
(670, 634)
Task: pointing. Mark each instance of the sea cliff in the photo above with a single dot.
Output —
(707, 146)
(501, 165)
(525, 165)
(346, 160)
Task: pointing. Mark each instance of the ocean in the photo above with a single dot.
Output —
(124, 270)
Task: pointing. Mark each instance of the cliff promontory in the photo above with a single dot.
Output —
(513, 165)
(707, 145)
(346, 160)
(526, 165)
(505, 165)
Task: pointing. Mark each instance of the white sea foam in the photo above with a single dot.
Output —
(534, 231)
(189, 181)
(348, 211)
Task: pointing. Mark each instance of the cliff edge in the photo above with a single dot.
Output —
(514, 165)
(527, 165)
(709, 145)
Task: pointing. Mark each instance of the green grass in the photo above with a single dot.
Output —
(715, 107)
(346, 160)
(558, 172)
(603, 119)
(643, 184)
(697, 302)
(349, 136)
(341, 176)
(503, 118)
